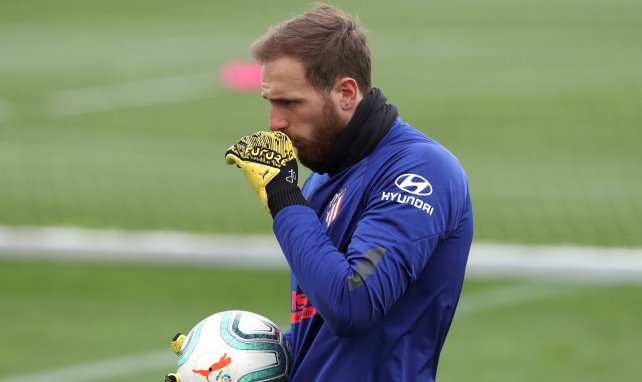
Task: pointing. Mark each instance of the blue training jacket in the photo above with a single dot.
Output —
(377, 262)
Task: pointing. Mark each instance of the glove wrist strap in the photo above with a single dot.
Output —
(281, 197)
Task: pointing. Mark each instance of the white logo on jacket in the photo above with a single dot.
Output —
(412, 184)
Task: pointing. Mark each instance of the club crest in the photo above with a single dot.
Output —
(332, 211)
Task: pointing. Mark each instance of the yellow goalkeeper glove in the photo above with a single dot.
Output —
(268, 161)
(176, 344)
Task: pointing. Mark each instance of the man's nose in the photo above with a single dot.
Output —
(277, 119)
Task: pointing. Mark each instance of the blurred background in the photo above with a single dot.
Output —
(114, 116)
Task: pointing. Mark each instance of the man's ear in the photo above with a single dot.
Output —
(348, 91)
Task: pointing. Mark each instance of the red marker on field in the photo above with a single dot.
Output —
(241, 75)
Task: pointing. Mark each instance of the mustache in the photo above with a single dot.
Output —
(296, 139)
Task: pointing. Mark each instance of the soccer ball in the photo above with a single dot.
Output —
(232, 346)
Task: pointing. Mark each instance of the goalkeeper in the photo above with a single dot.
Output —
(377, 239)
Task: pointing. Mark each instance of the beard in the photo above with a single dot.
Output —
(326, 134)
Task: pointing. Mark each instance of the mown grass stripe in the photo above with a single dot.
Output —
(99, 370)
(135, 364)
(147, 92)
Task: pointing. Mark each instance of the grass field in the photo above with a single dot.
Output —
(112, 115)
(57, 315)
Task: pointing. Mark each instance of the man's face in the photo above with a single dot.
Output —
(311, 120)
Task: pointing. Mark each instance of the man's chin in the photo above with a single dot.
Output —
(312, 165)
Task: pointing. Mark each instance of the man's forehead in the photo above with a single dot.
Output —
(285, 89)
(282, 75)
(271, 89)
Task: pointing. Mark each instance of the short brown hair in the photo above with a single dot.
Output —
(330, 43)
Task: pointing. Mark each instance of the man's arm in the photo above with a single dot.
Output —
(391, 245)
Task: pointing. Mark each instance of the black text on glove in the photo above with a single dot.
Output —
(269, 163)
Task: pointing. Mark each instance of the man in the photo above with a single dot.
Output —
(378, 237)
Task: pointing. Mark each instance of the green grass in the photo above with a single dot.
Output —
(557, 332)
(539, 100)
(57, 315)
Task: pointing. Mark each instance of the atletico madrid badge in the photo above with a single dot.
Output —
(332, 211)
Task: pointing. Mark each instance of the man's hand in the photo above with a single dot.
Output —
(269, 163)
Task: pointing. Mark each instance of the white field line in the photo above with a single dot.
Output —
(100, 370)
(154, 91)
(5, 110)
(495, 298)
(486, 260)
(563, 262)
(499, 297)
(140, 247)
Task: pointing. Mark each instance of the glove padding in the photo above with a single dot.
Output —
(268, 161)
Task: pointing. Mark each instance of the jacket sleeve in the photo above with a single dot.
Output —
(391, 245)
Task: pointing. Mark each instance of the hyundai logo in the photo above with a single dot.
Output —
(414, 184)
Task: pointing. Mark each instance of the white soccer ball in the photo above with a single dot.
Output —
(234, 346)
